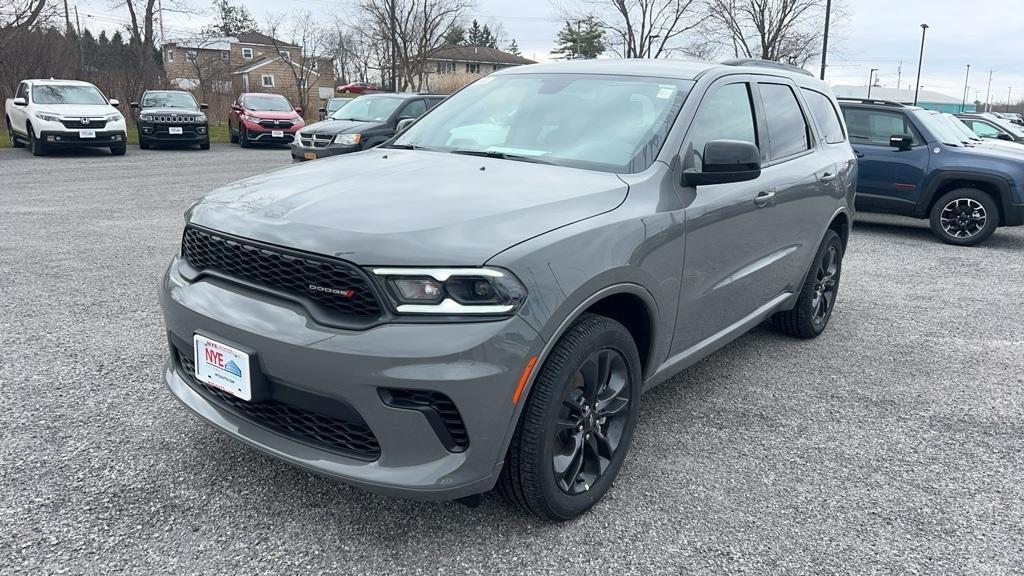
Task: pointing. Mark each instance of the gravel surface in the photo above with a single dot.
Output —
(890, 445)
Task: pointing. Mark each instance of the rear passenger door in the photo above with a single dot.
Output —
(889, 179)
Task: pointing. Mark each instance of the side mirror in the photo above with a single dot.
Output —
(236, 108)
(19, 102)
(114, 102)
(133, 105)
(403, 124)
(1005, 136)
(298, 110)
(726, 161)
(203, 106)
(902, 142)
(321, 110)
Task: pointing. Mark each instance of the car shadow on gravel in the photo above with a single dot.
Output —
(919, 230)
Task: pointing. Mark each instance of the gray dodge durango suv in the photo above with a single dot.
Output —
(481, 301)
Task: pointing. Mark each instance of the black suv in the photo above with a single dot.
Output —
(363, 123)
(914, 164)
(171, 117)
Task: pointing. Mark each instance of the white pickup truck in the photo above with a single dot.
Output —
(47, 114)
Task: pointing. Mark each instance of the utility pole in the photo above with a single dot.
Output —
(988, 93)
(920, 57)
(899, 74)
(963, 105)
(1008, 96)
(67, 18)
(824, 42)
(394, 46)
(160, 8)
(871, 76)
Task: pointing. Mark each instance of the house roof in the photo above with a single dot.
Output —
(263, 61)
(479, 54)
(901, 95)
(216, 43)
(262, 39)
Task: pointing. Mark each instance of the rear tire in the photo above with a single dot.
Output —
(577, 424)
(818, 295)
(15, 142)
(964, 217)
(232, 136)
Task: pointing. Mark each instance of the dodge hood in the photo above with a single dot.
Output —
(406, 207)
(342, 127)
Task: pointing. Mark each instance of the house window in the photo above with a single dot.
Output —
(224, 55)
(268, 80)
(472, 68)
(191, 55)
(445, 67)
(285, 54)
(247, 53)
(170, 55)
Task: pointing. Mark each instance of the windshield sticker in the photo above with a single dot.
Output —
(664, 92)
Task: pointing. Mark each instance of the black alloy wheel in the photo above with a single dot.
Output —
(813, 309)
(825, 284)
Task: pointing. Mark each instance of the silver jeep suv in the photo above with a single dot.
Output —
(481, 301)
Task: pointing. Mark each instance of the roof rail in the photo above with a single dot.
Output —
(766, 64)
(871, 101)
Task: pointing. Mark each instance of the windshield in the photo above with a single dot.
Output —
(269, 103)
(966, 134)
(368, 109)
(1008, 126)
(64, 94)
(938, 128)
(596, 122)
(169, 100)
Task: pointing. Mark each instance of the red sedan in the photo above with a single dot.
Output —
(356, 88)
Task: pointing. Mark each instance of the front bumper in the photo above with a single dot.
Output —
(477, 365)
(161, 134)
(103, 138)
(258, 134)
(301, 152)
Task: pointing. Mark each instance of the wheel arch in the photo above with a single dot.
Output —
(841, 224)
(994, 185)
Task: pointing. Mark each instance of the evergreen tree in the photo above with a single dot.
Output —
(231, 20)
(475, 34)
(513, 48)
(457, 35)
(581, 39)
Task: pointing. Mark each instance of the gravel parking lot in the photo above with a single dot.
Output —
(893, 444)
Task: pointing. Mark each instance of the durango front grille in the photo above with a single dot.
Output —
(346, 436)
(325, 285)
(439, 410)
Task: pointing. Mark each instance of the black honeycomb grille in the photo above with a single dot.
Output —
(332, 285)
(353, 439)
(439, 409)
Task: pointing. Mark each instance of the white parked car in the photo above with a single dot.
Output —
(47, 114)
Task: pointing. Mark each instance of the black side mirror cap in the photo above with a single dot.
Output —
(901, 141)
(203, 106)
(1005, 136)
(726, 161)
(133, 105)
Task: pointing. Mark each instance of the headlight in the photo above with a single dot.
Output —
(252, 119)
(348, 139)
(201, 118)
(147, 117)
(47, 117)
(115, 117)
(452, 290)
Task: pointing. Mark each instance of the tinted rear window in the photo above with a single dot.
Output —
(787, 129)
(825, 115)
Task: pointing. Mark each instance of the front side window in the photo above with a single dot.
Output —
(23, 91)
(875, 127)
(56, 94)
(787, 128)
(725, 114)
(597, 122)
(984, 130)
(414, 109)
(368, 109)
(825, 116)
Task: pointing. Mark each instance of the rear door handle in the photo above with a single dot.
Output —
(765, 198)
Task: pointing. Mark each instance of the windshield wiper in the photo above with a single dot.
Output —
(503, 156)
(407, 147)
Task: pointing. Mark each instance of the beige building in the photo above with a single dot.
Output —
(469, 60)
(252, 62)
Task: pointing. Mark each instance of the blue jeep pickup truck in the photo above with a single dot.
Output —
(913, 164)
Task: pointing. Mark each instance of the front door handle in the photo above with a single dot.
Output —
(764, 198)
(858, 153)
(827, 177)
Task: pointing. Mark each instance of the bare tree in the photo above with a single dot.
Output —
(643, 28)
(309, 48)
(19, 16)
(780, 30)
(211, 71)
(420, 28)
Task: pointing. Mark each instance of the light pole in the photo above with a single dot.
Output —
(924, 30)
(1008, 96)
(824, 41)
(988, 93)
(963, 105)
(871, 76)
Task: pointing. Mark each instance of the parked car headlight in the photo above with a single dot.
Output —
(115, 117)
(200, 118)
(47, 117)
(252, 119)
(348, 139)
(146, 117)
(452, 291)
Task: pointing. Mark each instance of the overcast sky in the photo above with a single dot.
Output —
(874, 34)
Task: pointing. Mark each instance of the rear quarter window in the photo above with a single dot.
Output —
(825, 115)
(787, 128)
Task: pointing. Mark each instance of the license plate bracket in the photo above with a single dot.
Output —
(309, 155)
(231, 367)
(86, 133)
(277, 133)
(174, 130)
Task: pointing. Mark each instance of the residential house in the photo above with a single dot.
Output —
(473, 60)
(251, 62)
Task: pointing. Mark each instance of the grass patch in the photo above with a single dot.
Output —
(218, 135)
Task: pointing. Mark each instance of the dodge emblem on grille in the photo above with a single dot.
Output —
(343, 293)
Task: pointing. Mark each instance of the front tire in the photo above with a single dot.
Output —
(205, 144)
(243, 137)
(118, 150)
(577, 424)
(232, 136)
(35, 146)
(964, 217)
(143, 144)
(818, 295)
